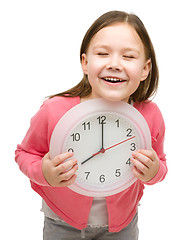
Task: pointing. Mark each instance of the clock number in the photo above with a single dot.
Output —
(87, 175)
(86, 126)
(129, 161)
(129, 130)
(118, 173)
(133, 147)
(70, 150)
(118, 122)
(76, 137)
(102, 178)
(102, 119)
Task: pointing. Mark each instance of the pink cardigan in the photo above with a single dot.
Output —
(71, 207)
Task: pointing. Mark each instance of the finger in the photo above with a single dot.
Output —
(137, 173)
(68, 182)
(148, 153)
(65, 166)
(67, 175)
(61, 158)
(139, 166)
(143, 159)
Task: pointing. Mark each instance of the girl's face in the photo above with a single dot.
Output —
(115, 63)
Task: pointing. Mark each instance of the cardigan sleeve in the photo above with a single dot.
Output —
(157, 127)
(34, 146)
(158, 147)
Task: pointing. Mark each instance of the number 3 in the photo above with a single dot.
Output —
(133, 147)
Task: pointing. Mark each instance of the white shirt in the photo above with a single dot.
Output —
(98, 216)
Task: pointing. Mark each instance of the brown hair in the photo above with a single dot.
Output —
(146, 88)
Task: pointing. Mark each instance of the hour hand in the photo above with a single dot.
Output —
(87, 159)
(102, 150)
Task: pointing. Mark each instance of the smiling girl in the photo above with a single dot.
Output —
(115, 63)
(119, 64)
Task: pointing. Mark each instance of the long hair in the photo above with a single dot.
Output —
(146, 88)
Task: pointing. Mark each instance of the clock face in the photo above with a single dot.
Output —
(103, 143)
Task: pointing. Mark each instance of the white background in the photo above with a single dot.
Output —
(39, 56)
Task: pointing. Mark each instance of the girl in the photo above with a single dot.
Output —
(119, 64)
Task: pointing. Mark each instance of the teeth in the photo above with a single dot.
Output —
(113, 79)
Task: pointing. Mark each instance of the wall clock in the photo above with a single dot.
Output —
(103, 135)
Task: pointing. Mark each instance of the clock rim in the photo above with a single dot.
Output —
(81, 111)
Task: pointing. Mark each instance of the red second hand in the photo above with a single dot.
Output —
(103, 150)
(119, 143)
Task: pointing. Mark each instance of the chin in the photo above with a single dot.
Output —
(116, 98)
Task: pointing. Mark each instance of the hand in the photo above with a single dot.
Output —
(146, 164)
(58, 172)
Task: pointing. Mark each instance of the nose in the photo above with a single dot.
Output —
(114, 64)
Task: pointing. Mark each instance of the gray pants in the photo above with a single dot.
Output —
(57, 230)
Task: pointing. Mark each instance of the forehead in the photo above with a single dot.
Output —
(121, 35)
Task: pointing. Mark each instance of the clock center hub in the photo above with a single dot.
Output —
(102, 150)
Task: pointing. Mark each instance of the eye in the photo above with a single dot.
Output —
(128, 56)
(102, 54)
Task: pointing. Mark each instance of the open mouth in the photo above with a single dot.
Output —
(113, 80)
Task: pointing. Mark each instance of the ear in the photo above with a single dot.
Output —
(146, 70)
(84, 63)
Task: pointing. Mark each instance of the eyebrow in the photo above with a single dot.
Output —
(101, 46)
(131, 50)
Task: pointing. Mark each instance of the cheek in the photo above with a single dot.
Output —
(134, 71)
(93, 69)
(96, 65)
